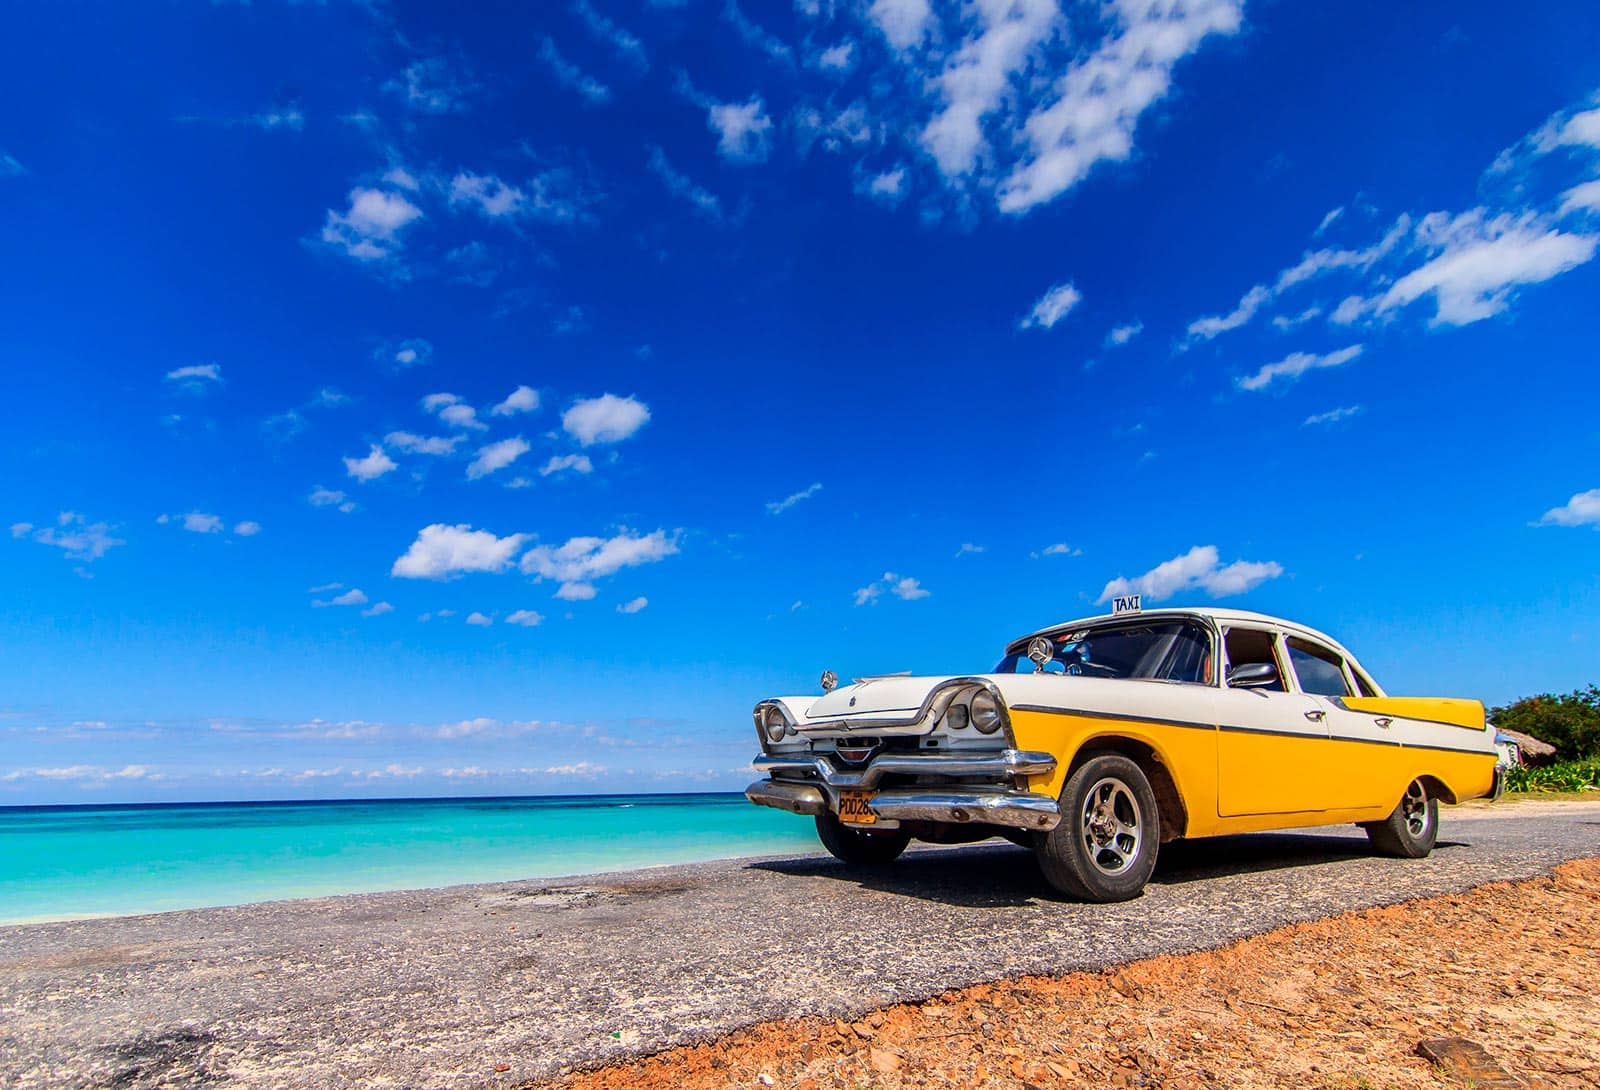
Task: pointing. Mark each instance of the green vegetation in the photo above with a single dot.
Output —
(1565, 776)
(1570, 722)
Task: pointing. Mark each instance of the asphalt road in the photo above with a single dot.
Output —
(434, 988)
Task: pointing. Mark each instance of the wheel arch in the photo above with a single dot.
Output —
(1173, 811)
(1436, 788)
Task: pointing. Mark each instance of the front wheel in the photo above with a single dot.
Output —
(1411, 831)
(857, 846)
(1105, 847)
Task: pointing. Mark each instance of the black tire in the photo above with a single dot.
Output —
(1105, 848)
(859, 847)
(1412, 830)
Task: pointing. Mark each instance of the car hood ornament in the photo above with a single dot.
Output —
(830, 681)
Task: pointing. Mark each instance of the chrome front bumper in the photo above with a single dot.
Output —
(810, 785)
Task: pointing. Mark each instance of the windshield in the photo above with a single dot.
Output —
(1175, 650)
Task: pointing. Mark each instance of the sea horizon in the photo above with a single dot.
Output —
(74, 861)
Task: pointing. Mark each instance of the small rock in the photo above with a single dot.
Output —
(884, 1062)
(502, 1067)
(766, 1080)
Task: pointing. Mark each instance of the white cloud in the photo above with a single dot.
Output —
(978, 76)
(633, 605)
(1481, 260)
(584, 559)
(497, 456)
(377, 609)
(247, 528)
(453, 411)
(441, 551)
(968, 549)
(524, 399)
(352, 597)
(373, 466)
(888, 187)
(1205, 329)
(901, 586)
(198, 522)
(413, 352)
(1585, 197)
(778, 507)
(627, 45)
(605, 419)
(331, 497)
(1286, 322)
(1052, 306)
(576, 592)
(10, 168)
(195, 376)
(572, 77)
(1296, 364)
(487, 193)
(904, 23)
(1583, 509)
(1102, 95)
(837, 58)
(1328, 220)
(479, 619)
(1122, 334)
(705, 202)
(1060, 548)
(422, 444)
(72, 534)
(743, 130)
(1199, 568)
(576, 463)
(369, 230)
(1332, 416)
(431, 86)
(527, 618)
(756, 37)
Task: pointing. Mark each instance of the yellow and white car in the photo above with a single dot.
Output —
(1096, 741)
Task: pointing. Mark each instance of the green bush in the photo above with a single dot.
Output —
(1571, 722)
(1566, 776)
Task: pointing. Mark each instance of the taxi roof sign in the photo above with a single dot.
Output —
(1126, 603)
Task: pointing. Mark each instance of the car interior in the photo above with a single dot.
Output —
(1248, 646)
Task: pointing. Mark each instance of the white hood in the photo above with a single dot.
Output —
(875, 698)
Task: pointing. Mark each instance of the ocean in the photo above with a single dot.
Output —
(62, 862)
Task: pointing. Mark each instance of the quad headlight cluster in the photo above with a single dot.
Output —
(981, 710)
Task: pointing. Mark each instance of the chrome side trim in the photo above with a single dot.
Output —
(1006, 763)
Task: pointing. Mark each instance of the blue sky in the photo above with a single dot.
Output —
(410, 401)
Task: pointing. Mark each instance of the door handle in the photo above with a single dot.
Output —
(1383, 721)
(1316, 716)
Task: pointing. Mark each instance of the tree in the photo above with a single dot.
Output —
(1570, 722)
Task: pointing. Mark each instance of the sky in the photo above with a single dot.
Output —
(418, 400)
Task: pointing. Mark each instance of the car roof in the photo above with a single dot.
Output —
(1221, 616)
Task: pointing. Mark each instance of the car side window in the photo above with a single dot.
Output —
(1319, 670)
(1249, 646)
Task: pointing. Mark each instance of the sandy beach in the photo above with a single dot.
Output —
(512, 983)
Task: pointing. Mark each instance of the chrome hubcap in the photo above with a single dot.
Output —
(1415, 808)
(1111, 828)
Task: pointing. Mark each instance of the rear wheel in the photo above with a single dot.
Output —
(858, 846)
(1105, 847)
(1411, 831)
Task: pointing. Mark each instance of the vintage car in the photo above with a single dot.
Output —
(1094, 742)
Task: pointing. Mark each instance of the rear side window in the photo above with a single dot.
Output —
(1318, 669)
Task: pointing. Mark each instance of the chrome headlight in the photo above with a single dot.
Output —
(773, 723)
(956, 717)
(985, 711)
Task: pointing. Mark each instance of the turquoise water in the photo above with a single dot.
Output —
(62, 862)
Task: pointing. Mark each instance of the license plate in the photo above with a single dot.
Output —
(854, 809)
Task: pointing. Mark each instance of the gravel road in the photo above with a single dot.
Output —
(436, 988)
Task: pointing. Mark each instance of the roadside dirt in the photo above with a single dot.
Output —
(1339, 1004)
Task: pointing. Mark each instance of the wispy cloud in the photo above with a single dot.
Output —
(370, 229)
(1583, 509)
(606, 29)
(778, 507)
(581, 560)
(903, 587)
(374, 465)
(496, 456)
(1296, 364)
(1332, 416)
(74, 535)
(1051, 307)
(702, 200)
(572, 77)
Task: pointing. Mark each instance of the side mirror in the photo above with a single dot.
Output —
(1252, 675)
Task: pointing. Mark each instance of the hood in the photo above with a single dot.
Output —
(875, 698)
